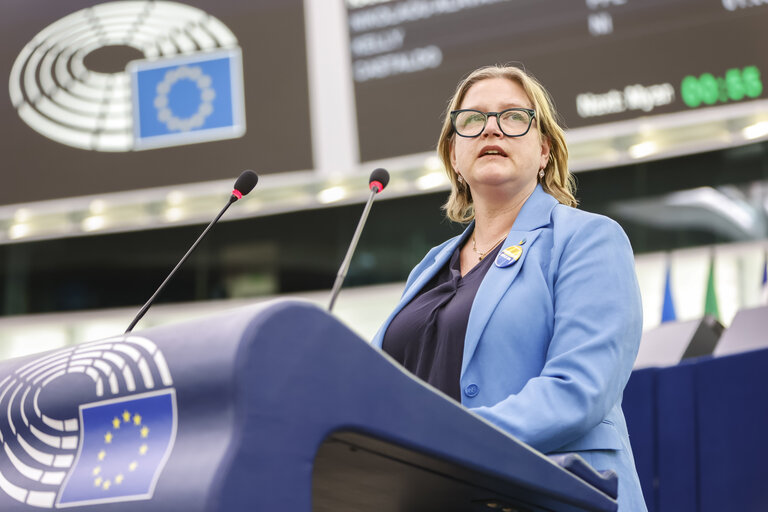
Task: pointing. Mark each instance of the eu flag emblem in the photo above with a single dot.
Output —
(184, 100)
(124, 444)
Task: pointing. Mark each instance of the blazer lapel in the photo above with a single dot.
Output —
(441, 258)
(535, 214)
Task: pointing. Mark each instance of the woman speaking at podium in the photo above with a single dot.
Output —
(531, 318)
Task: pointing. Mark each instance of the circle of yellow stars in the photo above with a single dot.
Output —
(129, 420)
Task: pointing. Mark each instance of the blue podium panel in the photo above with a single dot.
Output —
(677, 424)
(268, 408)
(732, 400)
(639, 405)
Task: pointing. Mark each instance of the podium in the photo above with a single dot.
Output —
(275, 407)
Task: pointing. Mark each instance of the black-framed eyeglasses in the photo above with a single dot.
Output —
(513, 122)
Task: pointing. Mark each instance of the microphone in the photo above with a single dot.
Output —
(378, 180)
(244, 184)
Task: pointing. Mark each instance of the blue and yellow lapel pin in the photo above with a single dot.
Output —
(510, 255)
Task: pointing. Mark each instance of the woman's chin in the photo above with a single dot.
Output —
(502, 182)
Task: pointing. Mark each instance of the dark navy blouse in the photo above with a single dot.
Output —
(427, 335)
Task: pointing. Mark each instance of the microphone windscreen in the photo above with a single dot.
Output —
(246, 181)
(380, 175)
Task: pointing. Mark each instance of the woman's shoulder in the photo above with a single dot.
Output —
(570, 214)
(572, 225)
(574, 219)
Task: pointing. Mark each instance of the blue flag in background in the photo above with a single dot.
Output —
(668, 309)
(124, 444)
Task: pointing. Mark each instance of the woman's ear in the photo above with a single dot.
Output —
(545, 150)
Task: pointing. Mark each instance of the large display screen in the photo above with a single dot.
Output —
(602, 60)
(111, 96)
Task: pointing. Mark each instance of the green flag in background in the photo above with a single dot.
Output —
(710, 304)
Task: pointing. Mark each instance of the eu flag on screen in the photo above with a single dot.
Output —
(124, 444)
(189, 99)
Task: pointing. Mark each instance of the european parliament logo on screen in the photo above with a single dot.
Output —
(188, 99)
(172, 96)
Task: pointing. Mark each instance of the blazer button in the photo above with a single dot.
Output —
(471, 390)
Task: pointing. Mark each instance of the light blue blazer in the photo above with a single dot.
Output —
(552, 338)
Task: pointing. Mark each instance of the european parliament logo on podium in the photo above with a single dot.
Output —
(184, 100)
(124, 444)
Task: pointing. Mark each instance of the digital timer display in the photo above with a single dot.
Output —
(602, 61)
(708, 89)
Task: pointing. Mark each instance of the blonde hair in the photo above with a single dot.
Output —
(557, 181)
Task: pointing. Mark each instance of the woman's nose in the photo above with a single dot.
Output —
(492, 127)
